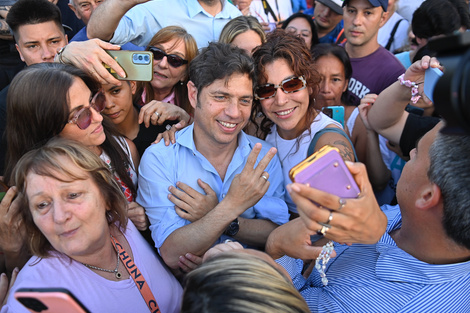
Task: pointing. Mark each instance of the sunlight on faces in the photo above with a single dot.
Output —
(222, 109)
(362, 22)
(119, 100)
(333, 81)
(38, 43)
(287, 111)
(71, 213)
(166, 76)
(300, 27)
(93, 136)
(247, 41)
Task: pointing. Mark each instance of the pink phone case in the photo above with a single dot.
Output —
(49, 300)
(329, 173)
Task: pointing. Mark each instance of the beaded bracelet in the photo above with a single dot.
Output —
(414, 88)
(322, 260)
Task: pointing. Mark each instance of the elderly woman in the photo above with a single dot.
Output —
(78, 232)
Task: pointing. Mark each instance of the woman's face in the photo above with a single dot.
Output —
(70, 213)
(287, 110)
(300, 27)
(119, 101)
(93, 136)
(333, 81)
(165, 76)
(247, 41)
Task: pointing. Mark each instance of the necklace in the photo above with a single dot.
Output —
(117, 274)
(277, 146)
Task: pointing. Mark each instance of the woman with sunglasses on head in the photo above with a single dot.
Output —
(165, 97)
(285, 96)
(302, 25)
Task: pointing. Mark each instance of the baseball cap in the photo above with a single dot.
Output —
(335, 5)
(375, 3)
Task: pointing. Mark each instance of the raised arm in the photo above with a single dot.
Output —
(388, 116)
(105, 18)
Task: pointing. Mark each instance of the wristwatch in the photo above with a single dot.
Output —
(232, 228)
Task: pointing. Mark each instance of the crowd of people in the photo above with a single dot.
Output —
(175, 194)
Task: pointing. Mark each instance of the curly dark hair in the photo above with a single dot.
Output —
(282, 45)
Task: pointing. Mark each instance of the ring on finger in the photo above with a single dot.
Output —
(157, 114)
(342, 203)
(330, 217)
(323, 230)
(265, 178)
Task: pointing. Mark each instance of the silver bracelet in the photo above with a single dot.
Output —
(322, 260)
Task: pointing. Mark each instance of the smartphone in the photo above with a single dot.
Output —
(431, 76)
(336, 113)
(138, 65)
(325, 170)
(3, 190)
(49, 300)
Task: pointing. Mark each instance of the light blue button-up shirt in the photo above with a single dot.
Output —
(143, 21)
(383, 278)
(162, 166)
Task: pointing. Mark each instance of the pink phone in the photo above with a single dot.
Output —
(49, 300)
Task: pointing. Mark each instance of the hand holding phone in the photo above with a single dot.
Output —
(138, 65)
(325, 170)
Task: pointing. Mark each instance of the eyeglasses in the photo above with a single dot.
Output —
(83, 117)
(173, 59)
(289, 85)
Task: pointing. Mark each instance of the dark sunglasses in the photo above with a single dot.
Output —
(173, 59)
(289, 85)
(83, 117)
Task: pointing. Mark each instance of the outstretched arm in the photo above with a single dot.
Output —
(106, 17)
(388, 116)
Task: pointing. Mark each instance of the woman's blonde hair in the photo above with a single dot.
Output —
(237, 282)
(48, 161)
(238, 26)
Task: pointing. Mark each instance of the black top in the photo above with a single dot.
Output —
(415, 127)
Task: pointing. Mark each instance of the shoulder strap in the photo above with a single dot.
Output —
(268, 10)
(137, 276)
(392, 34)
(341, 38)
(319, 133)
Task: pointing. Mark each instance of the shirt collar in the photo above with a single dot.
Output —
(394, 264)
(185, 138)
(194, 8)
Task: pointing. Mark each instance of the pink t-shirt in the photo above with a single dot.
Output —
(97, 293)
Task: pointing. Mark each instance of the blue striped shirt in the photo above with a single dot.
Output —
(383, 278)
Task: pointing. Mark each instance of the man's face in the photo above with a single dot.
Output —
(221, 110)
(38, 43)
(84, 8)
(415, 173)
(362, 22)
(325, 18)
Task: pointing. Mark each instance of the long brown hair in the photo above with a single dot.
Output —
(181, 90)
(292, 49)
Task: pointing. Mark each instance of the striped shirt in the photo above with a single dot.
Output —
(383, 278)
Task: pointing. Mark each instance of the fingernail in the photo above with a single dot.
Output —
(3, 275)
(16, 270)
(187, 255)
(288, 188)
(349, 162)
(295, 188)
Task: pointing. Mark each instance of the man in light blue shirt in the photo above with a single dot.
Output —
(420, 264)
(121, 21)
(244, 172)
